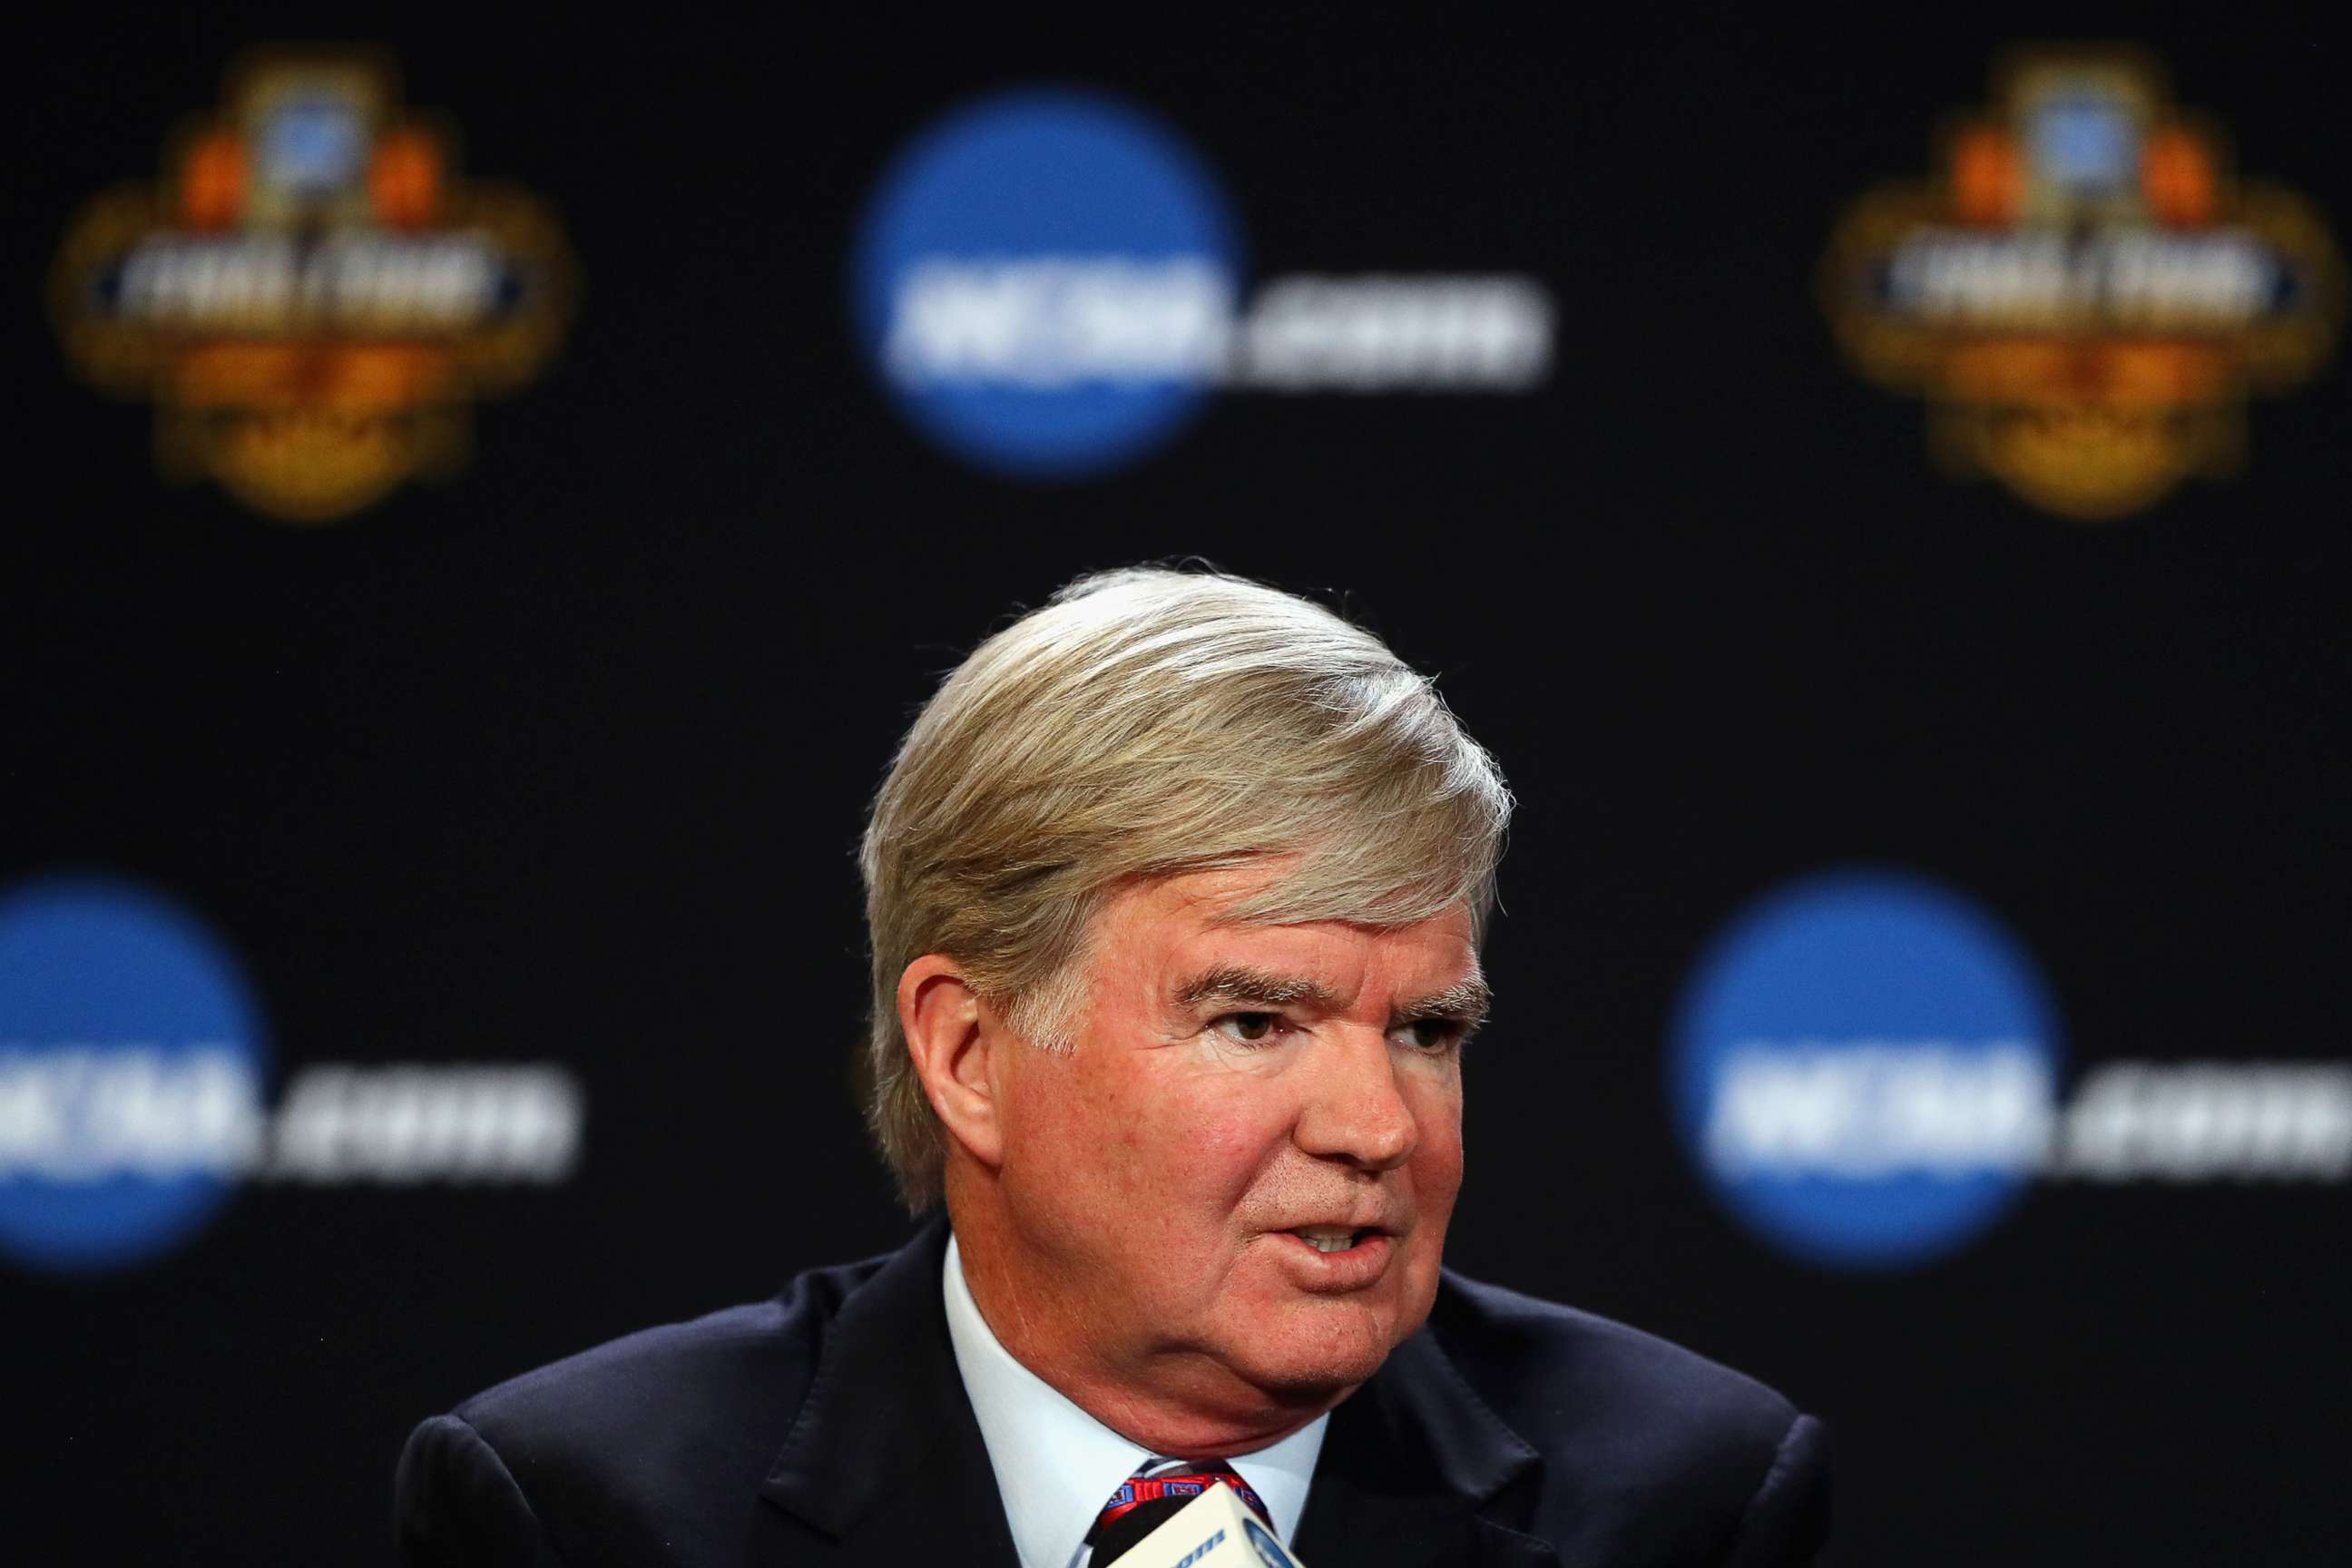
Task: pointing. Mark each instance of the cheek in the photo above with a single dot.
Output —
(1436, 1172)
(1437, 1180)
(1091, 1132)
(1145, 1126)
(1437, 1161)
(1190, 1144)
(1209, 1140)
(1229, 1143)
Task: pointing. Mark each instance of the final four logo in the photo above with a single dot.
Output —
(2086, 294)
(311, 296)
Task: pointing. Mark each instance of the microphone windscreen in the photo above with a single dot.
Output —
(1215, 1530)
(1120, 1536)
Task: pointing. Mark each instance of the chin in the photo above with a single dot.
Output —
(1322, 1347)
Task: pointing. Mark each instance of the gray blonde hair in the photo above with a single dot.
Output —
(1147, 723)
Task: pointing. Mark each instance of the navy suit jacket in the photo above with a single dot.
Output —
(830, 1426)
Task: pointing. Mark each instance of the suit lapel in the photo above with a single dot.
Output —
(1407, 1466)
(887, 1464)
(886, 1461)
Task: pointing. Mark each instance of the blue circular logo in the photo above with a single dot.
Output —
(1863, 1066)
(1268, 1550)
(1046, 282)
(130, 1066)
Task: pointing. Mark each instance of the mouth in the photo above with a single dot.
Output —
(1328, 1259)
(1331, 1239)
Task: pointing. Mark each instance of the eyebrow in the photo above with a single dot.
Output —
(1234, 982)
(1465, 1002)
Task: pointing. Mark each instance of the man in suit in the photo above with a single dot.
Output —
(1174, 893)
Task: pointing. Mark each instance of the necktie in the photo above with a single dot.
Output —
(1178, 1481)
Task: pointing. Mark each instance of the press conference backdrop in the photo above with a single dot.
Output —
(487, 494)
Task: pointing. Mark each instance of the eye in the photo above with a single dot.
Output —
(1432, 1036)
(1248, 1028)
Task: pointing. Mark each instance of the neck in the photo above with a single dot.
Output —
(1167, 1398)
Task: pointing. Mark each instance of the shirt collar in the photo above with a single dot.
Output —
(1056, 1466)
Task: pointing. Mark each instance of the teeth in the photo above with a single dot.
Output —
(1326, 1239)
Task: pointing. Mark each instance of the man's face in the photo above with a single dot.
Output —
(1238, 1179)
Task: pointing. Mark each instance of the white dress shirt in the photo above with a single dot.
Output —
(1056, 1466)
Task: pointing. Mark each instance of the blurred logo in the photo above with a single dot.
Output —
(1268, 1550)
(1050, 284)
(1046, 281)
(311, 297)
(132, 1067)
(1864, 1069)
(2086, 294)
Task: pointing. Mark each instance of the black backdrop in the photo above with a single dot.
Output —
(564, 761)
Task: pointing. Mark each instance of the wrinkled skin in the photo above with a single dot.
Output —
(1127, 1209)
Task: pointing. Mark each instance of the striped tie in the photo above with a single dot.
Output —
(1178, 1481)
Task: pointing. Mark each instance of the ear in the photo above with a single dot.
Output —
(949, 1039)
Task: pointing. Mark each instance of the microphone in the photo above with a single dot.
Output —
(1215, 1529)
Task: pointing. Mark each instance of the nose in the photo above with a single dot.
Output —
(1356, 1110)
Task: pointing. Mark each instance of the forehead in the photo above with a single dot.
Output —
(1161, 934)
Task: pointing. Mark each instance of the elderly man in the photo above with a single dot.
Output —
(1175, 892)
